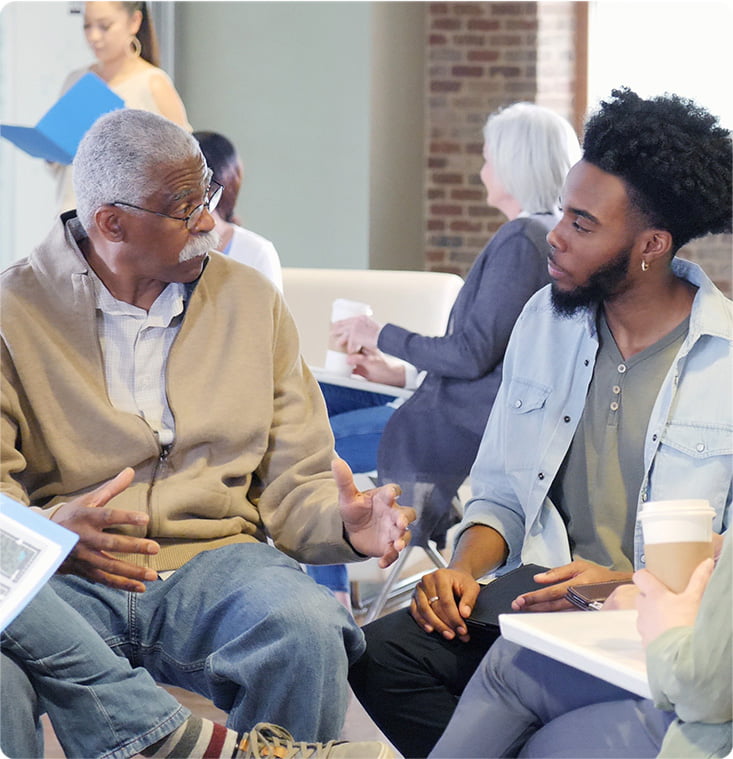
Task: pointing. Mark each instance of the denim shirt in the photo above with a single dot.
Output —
(688, 451)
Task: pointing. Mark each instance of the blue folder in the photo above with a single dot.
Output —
(58, 134)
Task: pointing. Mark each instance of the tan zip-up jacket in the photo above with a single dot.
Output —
(253, 443)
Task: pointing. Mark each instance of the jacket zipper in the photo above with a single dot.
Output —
(158, 469)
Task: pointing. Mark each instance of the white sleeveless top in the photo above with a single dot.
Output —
(137, 93)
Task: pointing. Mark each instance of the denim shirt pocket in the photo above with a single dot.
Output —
(695, 460)
(525, 415)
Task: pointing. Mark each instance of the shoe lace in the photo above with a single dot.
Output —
(267, 740)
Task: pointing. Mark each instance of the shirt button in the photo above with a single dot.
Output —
(621, 368)
(586, 362)
(616, 389)
(541, 476)
(566, 419)
(614, 406)
(517, 404)
(700, 447)
(654, 438)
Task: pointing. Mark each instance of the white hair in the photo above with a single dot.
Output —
(118, 157)
(531, 150)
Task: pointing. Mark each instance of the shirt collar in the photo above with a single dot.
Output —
(167, 306)
(711, 310)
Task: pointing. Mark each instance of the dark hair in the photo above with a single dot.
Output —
(221, 157)
(673, 156)
(146, 33)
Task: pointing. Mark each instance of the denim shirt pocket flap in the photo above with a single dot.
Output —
(525, 396)
(700, 440)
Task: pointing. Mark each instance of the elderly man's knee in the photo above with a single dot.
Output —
(315, 607)
(318, 624)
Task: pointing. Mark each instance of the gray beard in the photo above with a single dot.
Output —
(198, 246)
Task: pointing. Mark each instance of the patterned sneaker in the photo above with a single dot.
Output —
(266, 740)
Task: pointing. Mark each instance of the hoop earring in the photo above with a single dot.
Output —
(644, 265)
(136, 46)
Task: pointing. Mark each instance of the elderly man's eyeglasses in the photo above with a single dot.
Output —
(212, 201)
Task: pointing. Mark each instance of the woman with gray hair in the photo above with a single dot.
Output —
(429, 443)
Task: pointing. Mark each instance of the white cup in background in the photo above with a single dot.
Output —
(678, 535)
(343, 308)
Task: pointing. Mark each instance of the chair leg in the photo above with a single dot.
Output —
(375, 608)
(435, 555)
(391, 585)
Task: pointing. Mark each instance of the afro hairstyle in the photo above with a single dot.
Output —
(673, 156)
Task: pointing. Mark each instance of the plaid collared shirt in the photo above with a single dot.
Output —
(135, 346)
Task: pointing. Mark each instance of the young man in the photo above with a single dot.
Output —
(616, 390)
(125, 343)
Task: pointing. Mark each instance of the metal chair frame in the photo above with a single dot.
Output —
(394, 587)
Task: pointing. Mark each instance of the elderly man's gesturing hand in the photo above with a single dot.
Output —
(89, 517)
(374, 522)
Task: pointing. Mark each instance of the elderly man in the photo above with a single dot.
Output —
(616, 390)
(127, 343)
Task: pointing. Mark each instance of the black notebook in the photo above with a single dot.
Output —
(496, 597)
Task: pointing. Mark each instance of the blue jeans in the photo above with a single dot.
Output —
(242, 625)
(98, 704)
(20, 731)
(332, 576)
(520, 703)
(357, 419)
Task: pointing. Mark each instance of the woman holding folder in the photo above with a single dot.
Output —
(122, 37)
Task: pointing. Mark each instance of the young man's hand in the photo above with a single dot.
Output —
(558, 580)
(442, 602)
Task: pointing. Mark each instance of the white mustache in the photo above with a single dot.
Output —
(198, 246)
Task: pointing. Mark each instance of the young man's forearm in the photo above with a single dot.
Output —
(480, 550)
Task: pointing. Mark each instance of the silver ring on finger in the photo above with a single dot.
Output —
(432, 600)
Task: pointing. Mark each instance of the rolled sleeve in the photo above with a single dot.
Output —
(509, 524)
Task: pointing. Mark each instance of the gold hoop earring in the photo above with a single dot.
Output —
(644, 266)
(136, 46)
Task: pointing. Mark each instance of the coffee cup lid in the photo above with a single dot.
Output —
(686, 505)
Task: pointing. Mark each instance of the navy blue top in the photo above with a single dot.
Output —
(435, 434)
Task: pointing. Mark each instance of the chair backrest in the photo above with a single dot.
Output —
(417, 300)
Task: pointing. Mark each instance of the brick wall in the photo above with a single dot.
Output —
(482, 56)
(715, 254)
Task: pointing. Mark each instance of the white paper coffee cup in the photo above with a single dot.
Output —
(678, 535)
(343, 308)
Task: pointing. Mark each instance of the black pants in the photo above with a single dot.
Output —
(410, 681)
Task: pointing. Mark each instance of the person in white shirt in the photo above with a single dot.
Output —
(235, 241)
